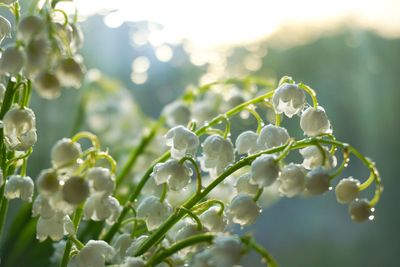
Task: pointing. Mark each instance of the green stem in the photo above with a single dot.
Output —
(257, 116)
(203, 206)
(251, 243)
(137, 152)
(193, 216)
(159, 257)
(258, 195)
(197, 170)
(67, 250)
(311, 92)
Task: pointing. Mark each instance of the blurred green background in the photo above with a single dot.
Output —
(356, 74)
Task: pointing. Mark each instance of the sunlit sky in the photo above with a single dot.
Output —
(219, 22)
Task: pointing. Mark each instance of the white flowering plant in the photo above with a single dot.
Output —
(178, 208)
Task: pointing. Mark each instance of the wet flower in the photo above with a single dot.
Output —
(360, 210)
(347, 190)
(65, 153)
(272, 136)
(213, 220)
(292, 180)
(177, 175)
(18, 186)
(246, 142)
(94, 254)
(313, 158)
(288, 99)
(182, 142)
(243, 210)
(218, 153)
(264, 170)
(317, 181)
(99, 208)
(153, 211)
(101, 180)
(243, 185)
(314, 121)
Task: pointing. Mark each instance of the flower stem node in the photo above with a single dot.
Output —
(75, 190)
(243, 210)
(182, 141)
(314, 121)
(18, 186)
(317, 182)
(347, 190)
(218, 153)
(288, 99)
(19, 129)
(264, 170)
(292, 180)
(360, 210)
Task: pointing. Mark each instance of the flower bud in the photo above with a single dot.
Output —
(243, 210)
(102, 180)
(5, 28)
(317, 182)
(292, 180)
(176, 174)
(246, 142)
(47, 182)
(75, 190)
(19, 129)
(65, 153)
(182, 142)
(264, 170)
(70, 73)
(176, 113)
(272, 136)
(218, 153)
(47, 85)
(314, 121)
(288, 99)
(360, 210)
(11, 61)
(29, 27)
(18, 186)
(347, 190)
(153, 212)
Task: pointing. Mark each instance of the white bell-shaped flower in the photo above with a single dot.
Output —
(218, 153)
(314, 121)
(65, 154)
(77, 38)
(177, 175)
(243, 185)
(120, 244)
(153, 211)
(101, 179)
(19, 129)
(264, 170)
(47, 85)
(94, 254)
(133, 262)
(317, 181)
(70, 73)
(75, 190)
(41, 207)
(288, 99)
(29, 27)
(226, 251)
(243, 210)
(246, 143)
(99, 208)
(176, 113)
(360, 210)
(347, 190)
(182, 142)
(292, 180)
(36, 52)
(54, 227)
(18, 186)
(272, 136)
(12, 60)
(48, 182)
(213, 220)
(5, 28)
(59, 204)
(189, 229)
(314, 158)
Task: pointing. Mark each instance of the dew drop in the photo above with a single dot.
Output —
(371, 218)
(330, 188)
